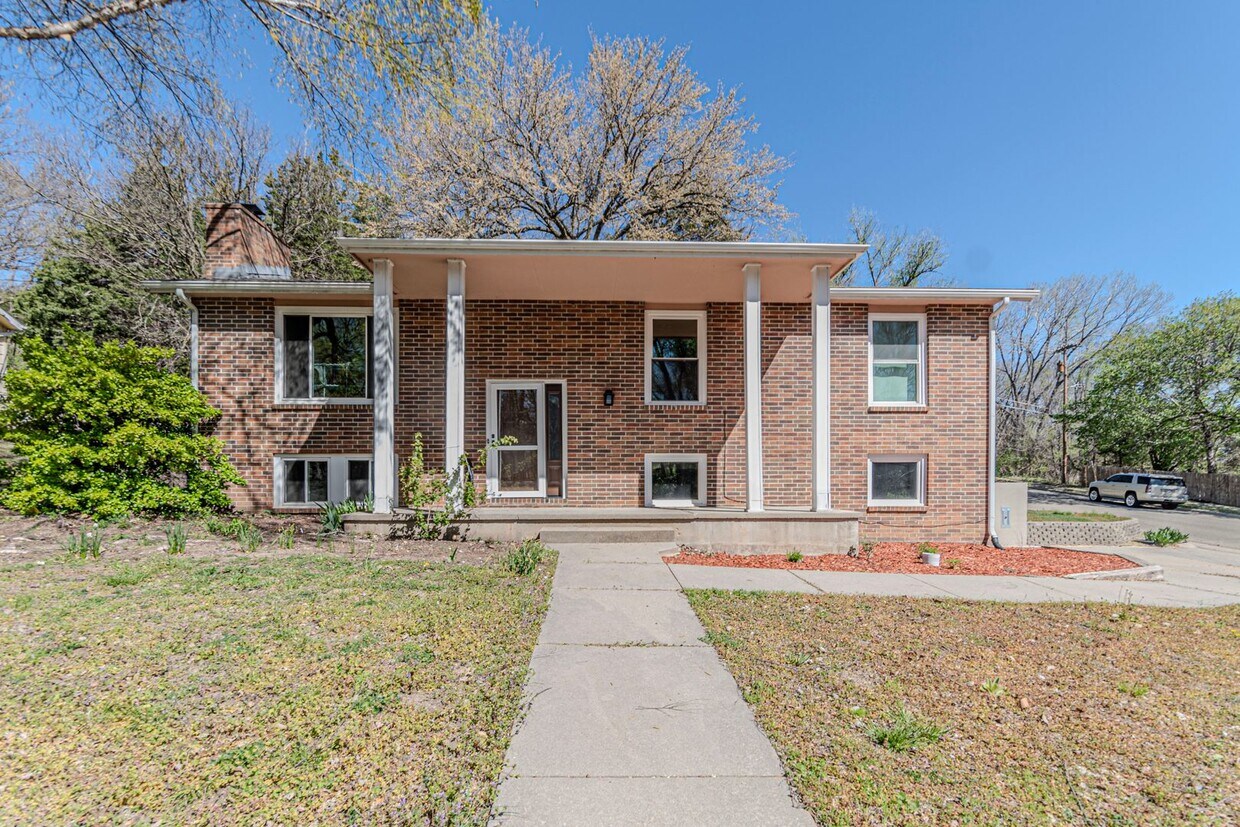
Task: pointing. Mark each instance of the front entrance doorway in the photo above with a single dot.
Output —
(532, 417)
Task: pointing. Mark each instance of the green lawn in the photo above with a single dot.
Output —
(310, 688)
(907, 711)
(1044, 516)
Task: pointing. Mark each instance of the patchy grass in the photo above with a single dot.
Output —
(914, 711)
(1051, 516)
(259, 688)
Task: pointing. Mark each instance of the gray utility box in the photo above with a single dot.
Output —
(1012, 513)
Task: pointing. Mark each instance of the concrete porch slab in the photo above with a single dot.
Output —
(595, 617)
(637, 711)
(654, 802)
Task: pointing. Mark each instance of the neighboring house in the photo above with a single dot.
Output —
(730, 377)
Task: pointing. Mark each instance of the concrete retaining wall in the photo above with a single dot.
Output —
(1117, 533)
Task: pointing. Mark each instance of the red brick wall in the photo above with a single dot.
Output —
(595, 346)
(952, 431)
(787, 406)
(236, 370)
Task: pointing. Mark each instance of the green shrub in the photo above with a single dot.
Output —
(523, 559)
(177, 536)
(87, 543)
(794, 557)
(437, 498)
(105, 430)
(1165, 536)
(231, 528)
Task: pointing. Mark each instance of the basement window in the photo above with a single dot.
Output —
(311, 481)
(897, 480)
(324, 354)
(675, 480)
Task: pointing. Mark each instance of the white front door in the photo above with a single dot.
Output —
(516, 414)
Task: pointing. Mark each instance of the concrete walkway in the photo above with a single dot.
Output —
(633, 719)
(1193, 577)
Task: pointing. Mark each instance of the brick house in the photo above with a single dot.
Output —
(729, 385)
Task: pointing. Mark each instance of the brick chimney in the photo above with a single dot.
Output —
(240, 245)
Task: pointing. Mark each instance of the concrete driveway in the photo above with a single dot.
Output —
(1205, 527)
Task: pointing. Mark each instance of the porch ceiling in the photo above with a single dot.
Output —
(653, 272)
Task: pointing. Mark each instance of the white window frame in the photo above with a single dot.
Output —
(337, 477)
(651, 459)
(920, 459)
(322, 312)
(920, 318)
(698, 316)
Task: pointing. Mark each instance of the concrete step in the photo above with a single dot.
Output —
(551, 536)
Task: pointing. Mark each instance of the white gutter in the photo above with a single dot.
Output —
(938, 295)
(458, 247)
(193, 335)
(998, 308)
(259, 287)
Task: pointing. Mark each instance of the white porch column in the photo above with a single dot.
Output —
(384, 392)
(454, 374)
(820, 306)
(753, 387)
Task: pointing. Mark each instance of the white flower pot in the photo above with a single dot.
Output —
(929, 558)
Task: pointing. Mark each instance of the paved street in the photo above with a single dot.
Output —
(1216, 528)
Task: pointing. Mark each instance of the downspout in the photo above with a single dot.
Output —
(193, 336)
(998, 308)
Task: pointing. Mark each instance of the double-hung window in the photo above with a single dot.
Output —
(897, 481)
(897, 359)
(324, 354)
(314, 480)
(675, 357)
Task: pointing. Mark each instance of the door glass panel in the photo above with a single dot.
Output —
(518, 415)
(674, 481)
(554, 396)
(518, 470)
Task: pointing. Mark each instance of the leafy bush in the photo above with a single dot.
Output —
(523, 559)
(177, 536)
(439, 499)
(1165, 536)
(106, 431)
(794, 557)
(87, 543)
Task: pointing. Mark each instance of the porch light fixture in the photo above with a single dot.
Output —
(609, 398)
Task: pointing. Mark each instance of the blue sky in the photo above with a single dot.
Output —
(1039, 139)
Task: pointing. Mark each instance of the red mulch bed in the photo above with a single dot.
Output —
(904, 558)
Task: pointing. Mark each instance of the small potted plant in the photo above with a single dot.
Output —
(929, 554)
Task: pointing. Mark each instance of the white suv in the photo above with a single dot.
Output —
(1135, 489)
